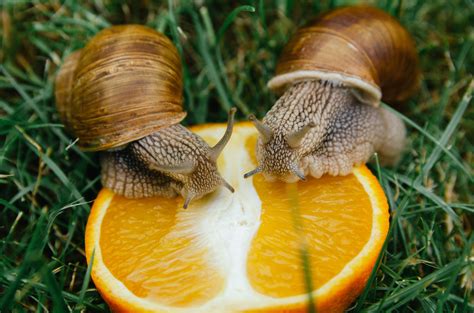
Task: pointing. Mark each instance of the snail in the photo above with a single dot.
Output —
(122, 95)
(333, 74)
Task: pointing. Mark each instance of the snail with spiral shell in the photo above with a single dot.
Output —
(122, 95)
(333, 74)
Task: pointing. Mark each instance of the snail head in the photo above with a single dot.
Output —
(277, 153)
(203, 177)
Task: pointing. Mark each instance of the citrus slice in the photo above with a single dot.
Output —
(268, 247)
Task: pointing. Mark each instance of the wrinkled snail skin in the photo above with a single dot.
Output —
(172, 161)
(122, 95)
(137, 171)
(332, 75)
(345, 132)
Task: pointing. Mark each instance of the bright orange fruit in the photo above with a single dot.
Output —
(259, 249)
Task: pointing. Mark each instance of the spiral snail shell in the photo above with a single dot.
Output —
(361, 47)
(124, 85)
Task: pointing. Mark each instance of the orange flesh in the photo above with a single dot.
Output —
(168, 263)
(164, 263)
(339, 213)
(338, 231)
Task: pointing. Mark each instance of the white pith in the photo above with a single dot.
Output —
(365, 91)
(226, 225)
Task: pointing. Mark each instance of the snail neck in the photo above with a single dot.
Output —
(166, 163)
(132, 170)
(125, 172)
(316, 101)
(341, 132)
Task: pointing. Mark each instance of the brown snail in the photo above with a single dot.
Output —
(122, 95)
(333, 74)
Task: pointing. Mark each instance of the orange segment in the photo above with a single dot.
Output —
(332, 231)
(154, 255)
(239, 252)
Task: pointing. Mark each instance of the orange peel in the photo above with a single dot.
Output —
(241, 252)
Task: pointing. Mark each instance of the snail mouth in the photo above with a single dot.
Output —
(294, 174)
(197, 189)
(296, 171)
(291, 174)
(270, 177)
(287, 178)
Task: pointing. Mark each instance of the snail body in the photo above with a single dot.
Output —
(122, 95)
(332, 74)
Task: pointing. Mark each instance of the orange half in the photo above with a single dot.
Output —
(268, 247)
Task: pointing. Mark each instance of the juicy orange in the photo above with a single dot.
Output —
(267, 247)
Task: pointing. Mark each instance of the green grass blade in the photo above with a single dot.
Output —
(31, 262)
(211, 68)
(85, 283)
(230, 19)
(59, 305)
(449, 131)
(458, 163)
(411, 291)
(429, 195)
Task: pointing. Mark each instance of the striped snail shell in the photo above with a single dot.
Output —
(125, 84)
(362, 47)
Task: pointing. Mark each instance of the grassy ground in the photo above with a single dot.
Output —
(229, 51)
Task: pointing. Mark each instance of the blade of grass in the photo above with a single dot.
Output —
(85, 284)
(52, 165)
(292, 191)
(430, 195)
(230, 19)
(186, 75)
(449, 131)
(411, 291)
(21, 91)
(447, 292)
(31, 261)
(59, 305)
(458, 163)
(211, 69)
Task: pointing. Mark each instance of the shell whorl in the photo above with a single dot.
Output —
(361, 47)
(63, 85)
(125, 84)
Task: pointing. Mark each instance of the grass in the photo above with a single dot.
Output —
(229, 52)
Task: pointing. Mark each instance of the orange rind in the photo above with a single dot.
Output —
(256, 250)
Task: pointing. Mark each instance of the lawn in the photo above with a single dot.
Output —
(229, 51)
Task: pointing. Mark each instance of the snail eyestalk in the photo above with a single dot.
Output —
(217, 149)
(228, 186)
(187, 200)
(298, 173)
(263, 129)
(294, 139)
(253, 172)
